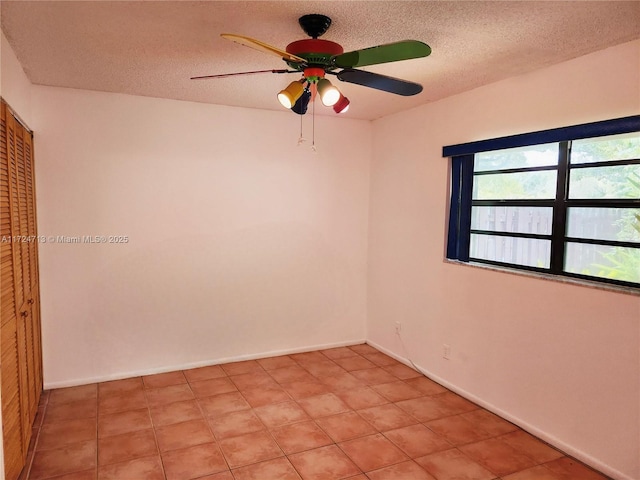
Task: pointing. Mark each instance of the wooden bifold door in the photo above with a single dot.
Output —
(21, 359)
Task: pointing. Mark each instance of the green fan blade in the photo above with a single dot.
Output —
(390, 52)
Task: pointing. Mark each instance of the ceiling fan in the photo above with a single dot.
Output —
(315, 58)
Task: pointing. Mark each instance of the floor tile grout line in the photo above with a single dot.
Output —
(268, 430)
(97, 432)
(206, 419)
(32, 457)
(153, 429)
(28, 476)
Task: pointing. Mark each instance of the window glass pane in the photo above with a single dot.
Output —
(522, 157)
(518, 251)
(622, 181)
(601, 149)
(513, 219)
(622, 224)
(522, 185)
(602, 261)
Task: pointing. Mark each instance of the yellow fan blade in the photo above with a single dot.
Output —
(263, 47)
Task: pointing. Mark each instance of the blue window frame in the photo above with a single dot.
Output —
(564, 201)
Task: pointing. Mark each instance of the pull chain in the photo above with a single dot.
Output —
(301, 140)
(313, 126)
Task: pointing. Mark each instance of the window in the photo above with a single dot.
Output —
(563, 201)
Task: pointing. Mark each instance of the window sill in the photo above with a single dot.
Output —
(554, 278)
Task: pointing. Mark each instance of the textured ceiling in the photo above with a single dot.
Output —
(151, 48)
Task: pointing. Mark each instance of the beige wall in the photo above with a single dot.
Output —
(560, 359)
(15, 87)
(240, 243)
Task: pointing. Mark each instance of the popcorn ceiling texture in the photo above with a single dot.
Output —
(152, 48)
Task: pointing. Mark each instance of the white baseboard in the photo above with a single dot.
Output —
(204, 363)
(533, 430)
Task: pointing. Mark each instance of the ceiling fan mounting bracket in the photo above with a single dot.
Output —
(315, 24)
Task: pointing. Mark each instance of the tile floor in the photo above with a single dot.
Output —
(343, 413)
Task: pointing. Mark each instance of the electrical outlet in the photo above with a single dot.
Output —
(398, 328)
(446, 351)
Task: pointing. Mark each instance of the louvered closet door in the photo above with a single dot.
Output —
(20, 257)
(33, 297)
(26, 221)
(12, 376)
(20, 317)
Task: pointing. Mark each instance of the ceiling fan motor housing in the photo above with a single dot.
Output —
(316, 52)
